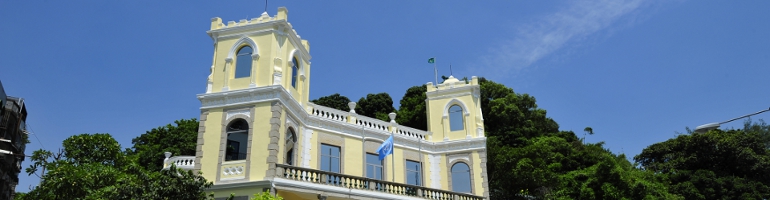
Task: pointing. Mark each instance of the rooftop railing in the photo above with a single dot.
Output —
(340, 116)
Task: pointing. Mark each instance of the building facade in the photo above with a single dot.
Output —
(259, 131)
(13, 137)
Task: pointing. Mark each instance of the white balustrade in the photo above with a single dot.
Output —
(182, 162)
(372, 123)
(328, 113)
(411, 132)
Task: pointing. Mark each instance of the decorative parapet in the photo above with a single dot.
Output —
(335, 115)
(452, 83)
(328, 113)
(411, 132)
(233, 170)
(182, 162)
(216, 23)
(373, 123)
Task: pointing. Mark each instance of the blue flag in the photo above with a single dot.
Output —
(386, 148)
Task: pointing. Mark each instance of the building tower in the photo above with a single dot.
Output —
(258, 85)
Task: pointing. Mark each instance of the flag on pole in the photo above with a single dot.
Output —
(386, 148)
(432, 60)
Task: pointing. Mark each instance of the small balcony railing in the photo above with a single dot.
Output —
(362, 183)
(182, 162)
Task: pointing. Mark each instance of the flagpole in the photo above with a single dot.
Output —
(393, 159)
(363, 146)
(419, 149)
(435, 72)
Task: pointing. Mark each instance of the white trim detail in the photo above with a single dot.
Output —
(306, 147)
(300, 60)
(455, 102)
(462, 157)
(231, 114)
(238, 44)
(435, 171)
(290, 122)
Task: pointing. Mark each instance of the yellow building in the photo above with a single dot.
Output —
(258, 131)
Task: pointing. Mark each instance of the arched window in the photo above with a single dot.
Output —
(294, 72)
(237, 135)
(461, 178)
(291, 140)
(243, 62)
(456, 118)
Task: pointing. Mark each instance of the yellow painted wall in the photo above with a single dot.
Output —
(210, 148)
(437, 106)
(353, 154)
(478, 187)
(268, 48)
(259, 140)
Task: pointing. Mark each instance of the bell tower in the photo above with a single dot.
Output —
(259, 52)
(454, 110)
(258, 84)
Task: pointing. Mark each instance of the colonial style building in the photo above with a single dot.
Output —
(258, 131)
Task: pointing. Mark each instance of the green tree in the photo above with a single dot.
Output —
(335, 101)
(412, 111)
(179, 139)
(525, 147)
(732, 164)
(375, 106)
(759, 127)
(266, 196)
(92, 166)
(614, 177)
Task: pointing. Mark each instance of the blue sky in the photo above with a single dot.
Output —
(635, 71)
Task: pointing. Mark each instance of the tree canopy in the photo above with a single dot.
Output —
(179, 139)
(93, 166)
(376, 106)
(713, 165)
(335, 101)
(412, 112)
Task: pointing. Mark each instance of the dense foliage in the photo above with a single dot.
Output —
(731, 164)
(415, 116)
(335, 101)
(93, 166)
(376, 106)
(149, 148)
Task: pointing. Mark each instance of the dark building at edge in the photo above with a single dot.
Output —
(13, 140)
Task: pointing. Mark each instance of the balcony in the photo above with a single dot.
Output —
(360, 186)
(181, 162)
(298, 177)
